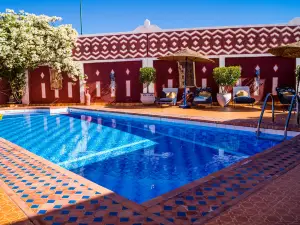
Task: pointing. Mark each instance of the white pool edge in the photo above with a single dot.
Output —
(148, 117)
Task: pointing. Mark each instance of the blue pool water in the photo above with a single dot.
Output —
(137, 158)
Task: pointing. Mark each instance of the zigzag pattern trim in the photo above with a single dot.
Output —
(248, 40)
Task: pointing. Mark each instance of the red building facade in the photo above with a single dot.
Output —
(124, 54)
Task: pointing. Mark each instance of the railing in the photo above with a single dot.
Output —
(295, 98)
(263, 111)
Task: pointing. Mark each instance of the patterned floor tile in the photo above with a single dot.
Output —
(199, 203)
(9, 212)
(56, 198)
(277, 203)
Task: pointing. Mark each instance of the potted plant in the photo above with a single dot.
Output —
(147, 76)
(226, 77)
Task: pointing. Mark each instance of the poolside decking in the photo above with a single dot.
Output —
(252, 191)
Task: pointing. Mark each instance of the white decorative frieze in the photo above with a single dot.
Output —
(219, 41)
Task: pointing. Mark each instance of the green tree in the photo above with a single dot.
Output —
(226, 76)
(147, 76)
(28, 41)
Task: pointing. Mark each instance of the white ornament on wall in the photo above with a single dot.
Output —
(42, 75)
(275, 68)
(170, 70)
(97, 73)
(204, 69)
(127, 71)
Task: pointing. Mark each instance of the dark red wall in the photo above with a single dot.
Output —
(4, 91)
(285, 72)
(163, 74)
(208, 74)
(121, 76)
(35, 90)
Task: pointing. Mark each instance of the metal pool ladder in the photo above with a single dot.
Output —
(294, 100)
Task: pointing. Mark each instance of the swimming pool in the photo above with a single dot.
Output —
(137, 157)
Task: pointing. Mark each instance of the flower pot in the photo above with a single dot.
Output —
(223, 99)
(147, 98)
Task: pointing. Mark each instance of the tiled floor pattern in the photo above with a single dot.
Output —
(205, 200)
(276, 204)
(9, 212)
(52, 197)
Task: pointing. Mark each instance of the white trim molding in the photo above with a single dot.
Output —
(148, 62)
(222, 61)
(186, 29)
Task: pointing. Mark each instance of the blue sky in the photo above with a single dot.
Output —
(125, 15)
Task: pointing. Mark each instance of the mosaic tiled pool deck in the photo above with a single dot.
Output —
(48, 194)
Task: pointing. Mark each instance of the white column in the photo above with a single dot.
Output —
(221, 60)
(221, 64)
(81, 85)
(25, 98)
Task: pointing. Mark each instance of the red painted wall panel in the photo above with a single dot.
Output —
(35, 90)
(166, 70)
(205, 70)
(169, 70)
(4, 91)
(285, 72)
(123, 71)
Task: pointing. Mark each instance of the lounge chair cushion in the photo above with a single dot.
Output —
(242, 93)
(244, 100)
(171, 95)
(163, 94)
(204, 94)
(202, 99)
(165, 100)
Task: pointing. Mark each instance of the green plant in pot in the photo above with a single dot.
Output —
(226, 77)
(147, 76)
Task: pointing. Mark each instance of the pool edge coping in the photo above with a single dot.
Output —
(146, 205)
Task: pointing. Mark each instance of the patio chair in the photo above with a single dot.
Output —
(170, 97)
(285, 95)
(241, 95)
(203, 96)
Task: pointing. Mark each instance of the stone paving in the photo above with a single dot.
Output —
(10, 213)
(276, 204)
(48, 194)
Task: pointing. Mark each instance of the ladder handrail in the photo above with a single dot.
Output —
(295, 97)
(263, 110)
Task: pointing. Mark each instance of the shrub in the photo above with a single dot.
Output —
(147, 76)
(226, 76)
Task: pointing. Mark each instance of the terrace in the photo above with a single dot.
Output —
(89, 152)
(233, 195)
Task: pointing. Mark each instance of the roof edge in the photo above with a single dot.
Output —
(188, 29)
